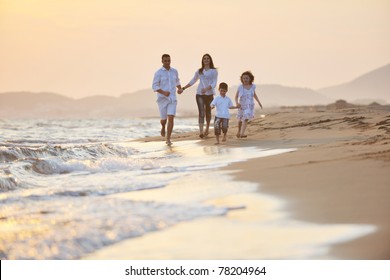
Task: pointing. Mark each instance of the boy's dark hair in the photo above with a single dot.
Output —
(165, 55)
(223, 86)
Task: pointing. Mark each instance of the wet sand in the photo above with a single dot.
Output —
(338, 176)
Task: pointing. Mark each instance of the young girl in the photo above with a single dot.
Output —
(208, 76)
(246, 93)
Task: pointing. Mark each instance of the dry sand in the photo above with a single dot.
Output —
(339, 174)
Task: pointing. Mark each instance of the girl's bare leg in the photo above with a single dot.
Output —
(239, 129)
(243, 128)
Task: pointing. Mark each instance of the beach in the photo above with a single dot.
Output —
(307, 183)
(336, 177)
(339, 175)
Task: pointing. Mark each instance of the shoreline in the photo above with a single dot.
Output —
(339, 175)
(329, 203)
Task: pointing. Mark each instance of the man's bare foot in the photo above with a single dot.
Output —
(162, 132)
(224, 139)
(168, 142)
(216, 143)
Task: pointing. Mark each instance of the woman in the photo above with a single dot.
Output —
(208, 76)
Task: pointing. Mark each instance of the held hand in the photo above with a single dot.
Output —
(203, 91)
(179, 91)
(238, 105)
(167, 93)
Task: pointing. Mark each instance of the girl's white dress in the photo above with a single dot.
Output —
(246, 99)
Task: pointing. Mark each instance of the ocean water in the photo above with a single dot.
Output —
(58, 179)
(69, 188)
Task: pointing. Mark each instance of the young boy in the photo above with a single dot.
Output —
(223, 103)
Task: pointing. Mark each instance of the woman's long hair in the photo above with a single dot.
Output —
(211, 63)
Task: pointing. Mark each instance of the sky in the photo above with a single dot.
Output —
(80, 48)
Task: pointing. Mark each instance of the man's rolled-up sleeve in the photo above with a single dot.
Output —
(156, 82)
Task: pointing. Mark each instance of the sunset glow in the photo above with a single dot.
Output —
(82, 48)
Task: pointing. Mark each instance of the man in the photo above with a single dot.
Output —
(165, 82)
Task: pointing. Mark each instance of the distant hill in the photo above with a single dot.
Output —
(138, 104)
(371, 87)
(27, 104)
(277, 95)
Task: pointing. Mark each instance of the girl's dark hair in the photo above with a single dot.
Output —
(248, 73)
(211, 63)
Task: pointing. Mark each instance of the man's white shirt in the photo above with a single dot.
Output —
(167, 80)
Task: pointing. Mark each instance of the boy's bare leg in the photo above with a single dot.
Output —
(217, 138)
(170, 128)
(163, 123)
(224, 137)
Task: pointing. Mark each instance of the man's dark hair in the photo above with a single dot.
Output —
(165, 55)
